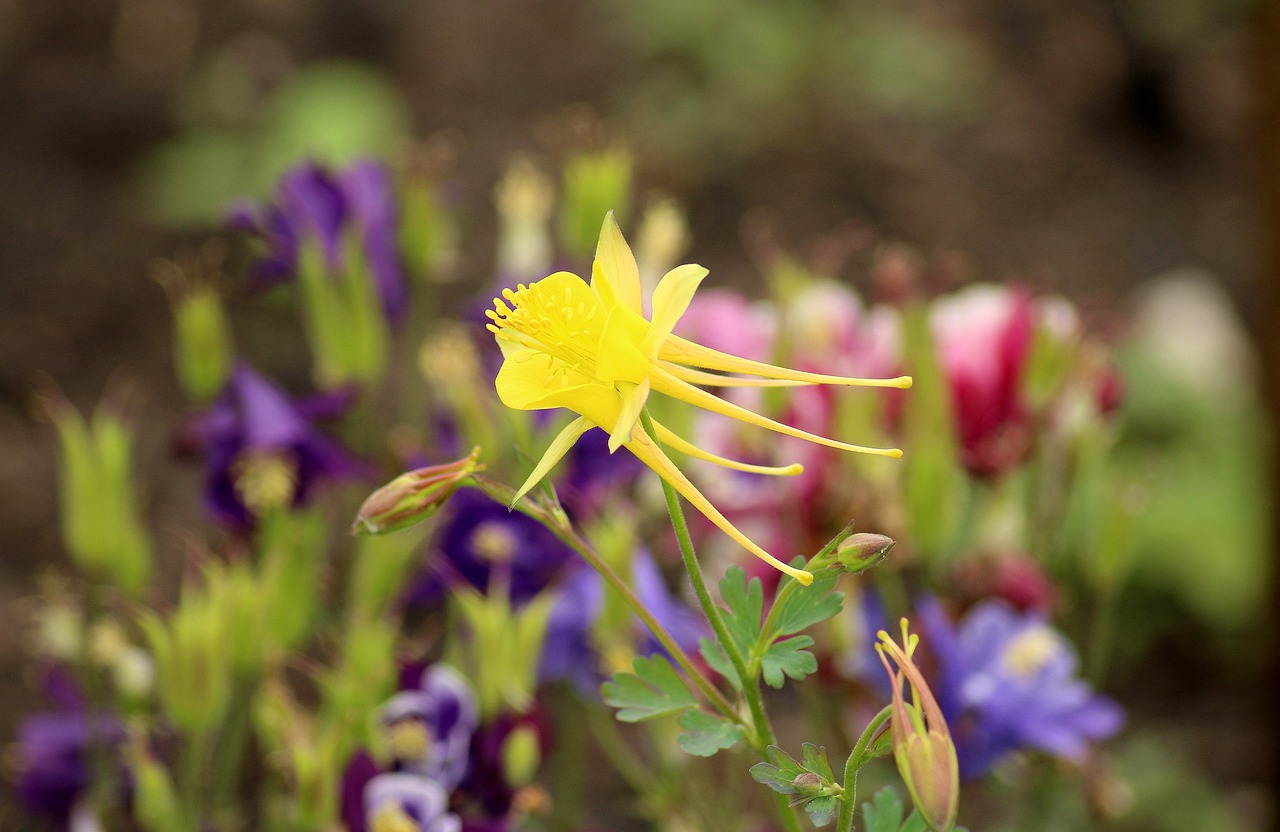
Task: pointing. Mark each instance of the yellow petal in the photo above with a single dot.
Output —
(684, 351)
(667, 437)
(670, 300)
(531, 380)
(706, 379)
(669, 385)
(558, 448)
(633, 398)
(618, 278)
(618, 356)
(651, 455)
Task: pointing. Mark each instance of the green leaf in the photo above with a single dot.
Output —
(814, 759)
(806, 606)
(745, 604)
(779, 772)
(654, 690)
(822, 810)
(788, 658)
(884, 814)
(714, 655)
(705, 733)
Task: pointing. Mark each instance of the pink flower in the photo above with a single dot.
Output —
(983, 338)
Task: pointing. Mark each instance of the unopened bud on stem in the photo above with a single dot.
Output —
(413, 497)
(860, 552)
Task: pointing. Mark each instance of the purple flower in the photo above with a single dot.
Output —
(568, 652)
(313, 205)
(54, 752)
(393, 801)
(429, 728)
(482, 542)
(1007, 682)
(260, 447)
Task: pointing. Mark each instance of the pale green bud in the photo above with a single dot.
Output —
(413, 497)
(100, 521)
(524, 198)
(193, 660)
(859, 552)
(203, 350)
(521, 755)
(594, 184)
(155, 801)
(348, 333)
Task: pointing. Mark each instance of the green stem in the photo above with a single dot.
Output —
(762, 732)
(857, 758)
(792, 584)
(561, 529)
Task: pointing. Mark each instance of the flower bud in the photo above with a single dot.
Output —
(524, 199)
(922, 745)
(100, 523)
(594, 184)
(808, 784)
(155, 801)
(202, 335)
(413, 497)
(859, 552)
(521, 755)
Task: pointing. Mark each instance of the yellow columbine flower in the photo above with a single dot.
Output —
(590, 349)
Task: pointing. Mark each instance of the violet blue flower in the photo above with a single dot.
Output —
(317, 206)
(429, 728)
(567, 650)
(260, 447)
(1007, 682)
(53, 754)
(399, 801)
(481, 537)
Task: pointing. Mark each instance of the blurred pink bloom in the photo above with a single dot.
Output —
(828, 329)
(983, 338)
(723, 320)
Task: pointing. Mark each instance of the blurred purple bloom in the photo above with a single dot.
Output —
(54, 758)
(254, 420)
(437, 719)
(482, 537)
(314, 205)
(594, 473)
(1007, 681)
(567, 650)
(408, 796)
(485, 786)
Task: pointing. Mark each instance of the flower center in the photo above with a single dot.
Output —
(554, 317)
(264, 481)
(494, 542)
(408, 739)
(1026, 655)
(390, 817)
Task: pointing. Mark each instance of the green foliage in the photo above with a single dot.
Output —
(884, 814)
(788, 659)
(331, 112)
(820, 796)
(744, 606)
(806, 606)
(654, 690)
(705, 734)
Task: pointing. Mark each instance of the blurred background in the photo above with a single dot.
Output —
(1104, 150)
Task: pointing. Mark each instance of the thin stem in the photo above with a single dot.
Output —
(857, 758)
(561, 529)
(761, 729)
